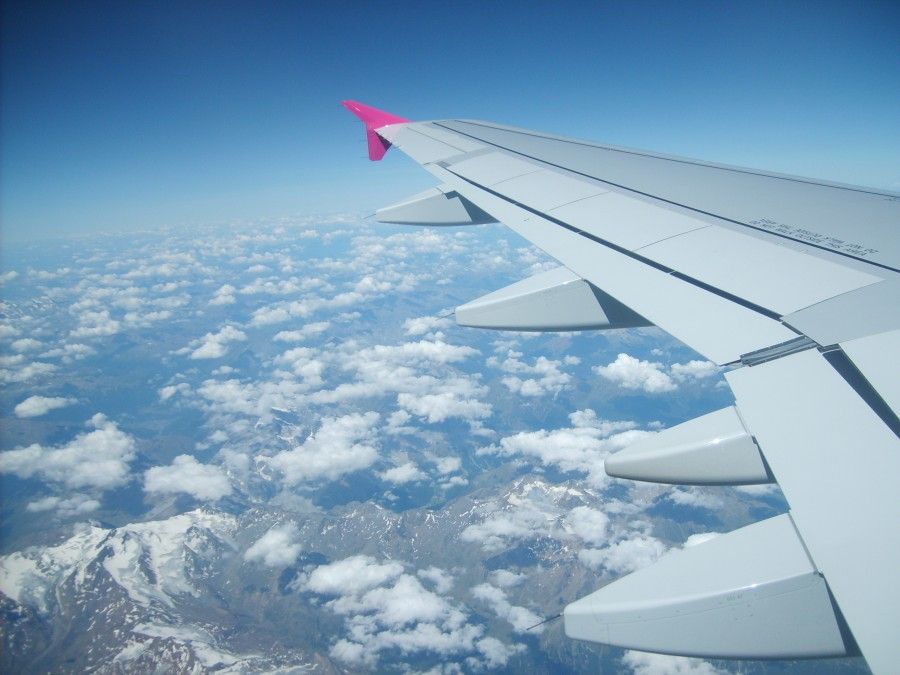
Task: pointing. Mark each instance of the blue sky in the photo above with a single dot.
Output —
(117, 117)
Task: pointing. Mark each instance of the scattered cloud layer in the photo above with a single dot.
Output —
(651, 377)
(35, 406)
(97, 459)
(581, 447)
(387, 609)
(279, 547)
(185, 475)
(215, 345)
(341, 445)
(631, 373)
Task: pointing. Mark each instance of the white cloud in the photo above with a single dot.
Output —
(25, 344)
(645, 663)
(279, 313)
(314, 328)
(70, 352)
(24, 373)
(186, 475)
(304, 363)
(215, 345)
(588, 524)
(624, 556)
(279, 547)
(387, 610)
(425, 324)
(632, 373)
(447, 465)
(699, 538)
(439, 407)
(96, 324)
(341, 445)
(95, 459)
(695, 496)
(582, 447)
(146, 319)
(35, 406)
(502, 526)
(420, 373)
(442, 581)
(8, 276)
(167, 392)
(233, 397)
(77, 505)
(547, 376)
(224, 295)
(507, 579)
(697, 370)
(522, 620)
(350, 576)
(405, 473)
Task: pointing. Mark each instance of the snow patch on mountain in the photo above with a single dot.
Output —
(147, 560)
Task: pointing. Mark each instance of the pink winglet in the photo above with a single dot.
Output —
(374, 119)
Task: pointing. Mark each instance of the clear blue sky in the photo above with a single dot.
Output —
(118, 116)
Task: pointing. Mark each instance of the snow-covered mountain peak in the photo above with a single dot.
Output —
(150, 561)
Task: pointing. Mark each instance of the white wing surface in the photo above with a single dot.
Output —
(794, 284)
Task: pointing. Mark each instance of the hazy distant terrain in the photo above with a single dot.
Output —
(268, 449)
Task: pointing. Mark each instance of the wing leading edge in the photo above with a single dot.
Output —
(791, 282)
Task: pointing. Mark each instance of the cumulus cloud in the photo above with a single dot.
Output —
(581, 447)
(439, 407)
(96, 324)
(420, 373)
(308, 330)
(425, 324)
(185, 475)
(694, 496)
(341, 445)
(699, 538)
(697, 370)
(523, 518)
(77, 505)
(25, 345)
(543, 377)
(74, 351)
(305, 363)
(521, 619)
(447, 465)
(405, 473)
(35, 406)
(588, 524)
(351, 576)
(624, 556)
(95, 459)
(645, 663)
(215, 345)
(21, 371)
(279, 547)
(632, 373)
(167, 392)
(279, 313)
(507, 578)
(224, 295)
(442, 580)
(386, 609)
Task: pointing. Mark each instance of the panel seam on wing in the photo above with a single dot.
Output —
(674, 203)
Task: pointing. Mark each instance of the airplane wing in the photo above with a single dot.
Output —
(794, 285)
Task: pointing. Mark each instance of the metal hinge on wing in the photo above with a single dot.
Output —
(798, 344)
